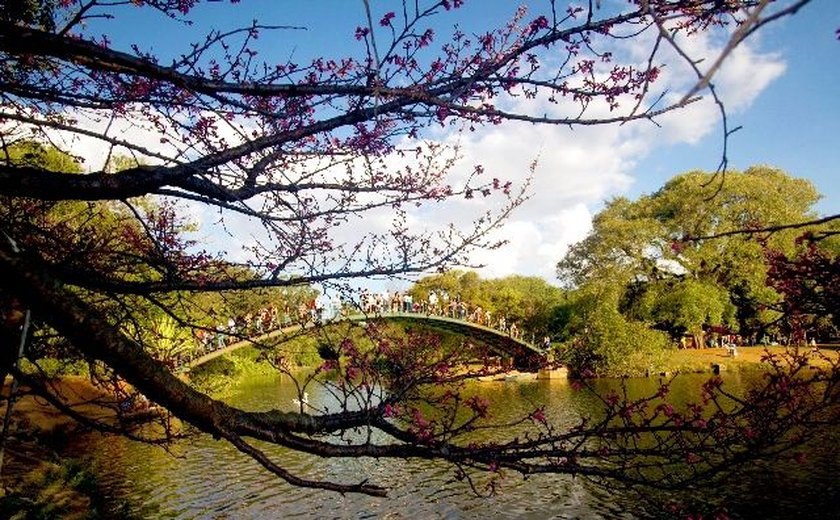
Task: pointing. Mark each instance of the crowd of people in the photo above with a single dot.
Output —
(323, 309)
(435, 305)
(266, 320)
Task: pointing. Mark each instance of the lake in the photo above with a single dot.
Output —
(203, 478)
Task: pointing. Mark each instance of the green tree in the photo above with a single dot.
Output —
(103, 235)
(38, 13)
(603, 341)
(680, 306)
(528, 301)
(456, 284)
(654, 251)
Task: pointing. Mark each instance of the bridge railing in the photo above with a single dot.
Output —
(223, 339)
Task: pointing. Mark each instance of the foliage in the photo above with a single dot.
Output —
(680, 306)
(809, 282)
(38, 13)
(54, 366)
(528, 301)
(220, 376)
(672, 278)
(84, 230)
(605, 342)
(454, 283)
(34, 154)
(66, 490)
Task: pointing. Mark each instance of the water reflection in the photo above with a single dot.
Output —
(210, 479)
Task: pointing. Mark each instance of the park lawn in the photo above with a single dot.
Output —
(702, 360)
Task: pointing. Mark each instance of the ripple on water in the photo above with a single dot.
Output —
(213, 480)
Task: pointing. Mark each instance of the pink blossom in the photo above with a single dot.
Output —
(386, 20)
(667, 409)
(361, 32)
(691, 458)
(479, 405)
(538, 23)
(352, 372)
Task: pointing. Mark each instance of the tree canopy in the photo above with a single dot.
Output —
(527, 301)
(654, 258)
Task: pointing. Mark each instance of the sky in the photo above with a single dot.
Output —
(781, 87)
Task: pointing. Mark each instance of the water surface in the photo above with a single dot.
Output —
(208, 479)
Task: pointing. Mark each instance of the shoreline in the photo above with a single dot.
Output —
(34, 413)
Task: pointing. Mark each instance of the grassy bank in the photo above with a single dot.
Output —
(36, 481)
(681, 361)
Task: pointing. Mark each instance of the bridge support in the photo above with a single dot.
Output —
(553, 373)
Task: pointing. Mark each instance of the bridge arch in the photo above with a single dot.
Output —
(522, 354)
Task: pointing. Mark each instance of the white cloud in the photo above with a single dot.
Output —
(745, 74)
(576, 169)
(534, 247)
(133, 129)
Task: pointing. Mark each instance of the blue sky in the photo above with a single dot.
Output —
(781, 87)
(794, 124)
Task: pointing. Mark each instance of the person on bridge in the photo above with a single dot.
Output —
(452, 309)
(477, 316)
(433, 303)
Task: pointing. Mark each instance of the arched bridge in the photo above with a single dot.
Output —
(522, 354)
